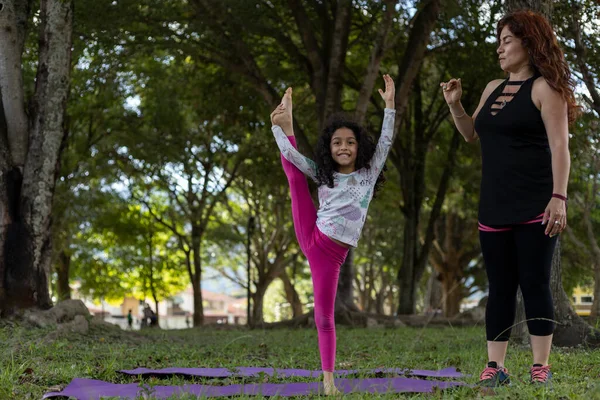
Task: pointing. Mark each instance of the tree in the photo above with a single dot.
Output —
(586, 200)
(454, 250)
(456, 254)
(30, 143)
(191, 153)
(273, 244)
(121, 250)
(586, 54)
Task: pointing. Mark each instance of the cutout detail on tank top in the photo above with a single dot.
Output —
(505, 97)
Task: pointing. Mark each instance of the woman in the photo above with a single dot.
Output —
(522, 123)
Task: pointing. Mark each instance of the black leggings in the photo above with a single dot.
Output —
(519, 257)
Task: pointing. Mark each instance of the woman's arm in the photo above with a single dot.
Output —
(464, 123)
(554, 114)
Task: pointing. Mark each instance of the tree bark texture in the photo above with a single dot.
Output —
(30, 149)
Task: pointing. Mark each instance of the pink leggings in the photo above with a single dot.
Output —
(325, 258)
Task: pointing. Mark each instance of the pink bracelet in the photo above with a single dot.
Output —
(559, 196)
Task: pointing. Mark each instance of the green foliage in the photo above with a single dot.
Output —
(168, 101)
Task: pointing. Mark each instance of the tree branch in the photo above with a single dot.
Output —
(377, 54)
(439, 199)
(312, 50)
(337, 57)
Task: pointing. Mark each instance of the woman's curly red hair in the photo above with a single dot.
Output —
(545, 54)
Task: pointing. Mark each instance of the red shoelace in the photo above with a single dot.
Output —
(540, 374)
(489, 372)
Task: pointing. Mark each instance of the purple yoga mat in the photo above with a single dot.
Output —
(450, 372)
(90, 389)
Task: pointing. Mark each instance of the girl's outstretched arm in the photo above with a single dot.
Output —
(387, 129)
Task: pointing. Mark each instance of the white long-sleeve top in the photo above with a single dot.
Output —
(343, 209)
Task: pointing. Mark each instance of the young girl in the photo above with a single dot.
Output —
(347, 171)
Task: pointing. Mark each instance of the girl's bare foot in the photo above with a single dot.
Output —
(330, 389)
(329, 385)
(282, 115)
(287, 122)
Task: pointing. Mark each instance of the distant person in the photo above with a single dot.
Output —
(130, 320)
(187, 320)
(523, 126)
(348, 171)
(153, 318)
(150, 318)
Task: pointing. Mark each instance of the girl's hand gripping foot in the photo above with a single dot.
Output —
(282, 115)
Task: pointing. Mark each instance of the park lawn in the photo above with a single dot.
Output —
(31, 365)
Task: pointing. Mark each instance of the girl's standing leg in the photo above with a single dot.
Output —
(325, 258)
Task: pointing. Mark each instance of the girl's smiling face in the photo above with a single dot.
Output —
(344, 148)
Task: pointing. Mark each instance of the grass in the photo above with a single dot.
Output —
(31, 365)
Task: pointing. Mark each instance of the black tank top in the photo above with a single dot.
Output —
(516, 179)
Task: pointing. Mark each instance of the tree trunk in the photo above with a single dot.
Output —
(380, 298)
(344, 300)
(595, 312)
(406, 275)
(582, 60)
(151, 265)
(414, 54)
(519, 331)
(337, 59)
(198, 311)
(27, 196)
(366, 91)
(452, 291)
(155, 298)
(258, 300)
(291, 294)
(196, 276)
(13, 21)
(571, 330)
(453, 251)
(63, 290)
(415, 257)
(590, 200)
(433, 297)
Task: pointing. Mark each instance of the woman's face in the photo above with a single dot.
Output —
(511, 53)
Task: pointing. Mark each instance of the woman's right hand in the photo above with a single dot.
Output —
(452, 90)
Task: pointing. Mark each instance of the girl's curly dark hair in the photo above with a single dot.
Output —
(326, 165)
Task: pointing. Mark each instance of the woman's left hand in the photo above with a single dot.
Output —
(555, 217)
